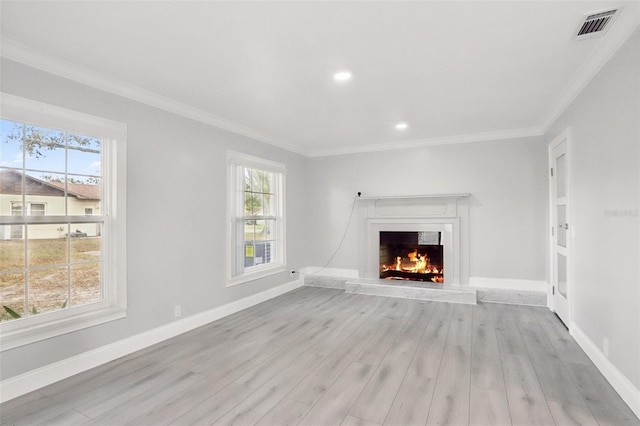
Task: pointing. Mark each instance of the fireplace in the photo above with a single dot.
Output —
(414, 256)
(415, 228)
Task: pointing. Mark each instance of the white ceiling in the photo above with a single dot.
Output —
(455, 71)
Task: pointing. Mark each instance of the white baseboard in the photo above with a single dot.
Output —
(330, 272)
(16, 386)
(627, 391)
(508, 284)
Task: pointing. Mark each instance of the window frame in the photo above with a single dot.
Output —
(24, 331)
(236, 272)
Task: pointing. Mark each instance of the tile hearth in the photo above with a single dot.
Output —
(427, 291)
(397, 288)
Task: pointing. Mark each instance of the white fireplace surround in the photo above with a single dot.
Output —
(445, 213)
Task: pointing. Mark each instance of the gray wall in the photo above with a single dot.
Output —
(508, 205)
(605, 159)
(176, 195)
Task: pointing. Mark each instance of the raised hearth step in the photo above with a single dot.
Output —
(412, 290)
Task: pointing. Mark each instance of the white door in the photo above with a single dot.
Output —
(560, 228)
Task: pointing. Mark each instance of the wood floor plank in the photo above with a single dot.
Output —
(486, 366)
(426, 360)
(391, 324)
(535, 339)
(450, 405)
(461, 325)
(251, 409)
(378, 396)
(419, 319)
(565, 345)
(174, 408)
(295, 359)
(571, 415)
(555, 380)
(486, 369)
(356, 421)
(527, 403)
(507, 331)
(350, 320)
(412, 402)
(311, 389)
(214, 407)
(488, 407)
(146, 402)
(127, 392)
(65, 418)
(603, 401)
(335, 404)
(287, 412)
(263, 372)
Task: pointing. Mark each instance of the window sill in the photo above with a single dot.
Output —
(30, 330)
(255, 275)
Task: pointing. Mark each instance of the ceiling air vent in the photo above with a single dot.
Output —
(596, 22)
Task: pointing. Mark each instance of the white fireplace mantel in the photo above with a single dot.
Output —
(445, 213)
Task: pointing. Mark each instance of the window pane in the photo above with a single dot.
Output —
(83, 193)
(263, 252)
(45, 149)
(12, 295)
(46, 189)
(84, 155)
(262, 182)
(16, 209)
(265, 230)
(11, 251)
(36, 209)
(560, 226)
(86, 243)
(48, 290)
(562, 275)
(10, 192)
(249, 255)
(561, 176)
(47, 244)
(268, 205)
(86, 283)
(249, 230)
(11, 144)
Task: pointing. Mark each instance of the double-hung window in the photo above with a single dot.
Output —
(256, 211)
(62, 221)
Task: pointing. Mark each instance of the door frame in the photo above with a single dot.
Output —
(564, 135)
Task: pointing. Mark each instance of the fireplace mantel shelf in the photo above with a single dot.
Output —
(412, 197)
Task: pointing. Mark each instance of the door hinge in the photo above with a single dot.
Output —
(552, 172)
(553, 291)
(552, 231)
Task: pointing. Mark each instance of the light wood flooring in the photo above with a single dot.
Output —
(319, 356)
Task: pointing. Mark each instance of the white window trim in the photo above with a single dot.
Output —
(29, 330)
(235, 159)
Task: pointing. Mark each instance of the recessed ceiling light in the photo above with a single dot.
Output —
(402, 126)
(342, 76)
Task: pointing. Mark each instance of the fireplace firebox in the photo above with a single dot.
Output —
(414, 256)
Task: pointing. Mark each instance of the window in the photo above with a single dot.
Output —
(36, 209)
(58, 270)
(257, 217)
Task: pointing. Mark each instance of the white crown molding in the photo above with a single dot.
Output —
(418, 143)
(34, 58)
(20, 53)
(609, 45)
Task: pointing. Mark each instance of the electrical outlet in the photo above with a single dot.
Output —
(605, 346)
(177, 311)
